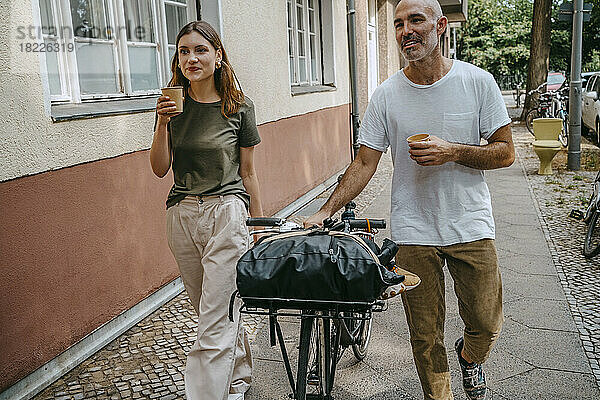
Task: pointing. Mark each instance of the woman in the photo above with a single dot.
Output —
(211, 146)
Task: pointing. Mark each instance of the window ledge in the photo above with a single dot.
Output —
(73, 111)
(297, 90)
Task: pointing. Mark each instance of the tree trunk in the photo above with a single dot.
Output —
(539, 51)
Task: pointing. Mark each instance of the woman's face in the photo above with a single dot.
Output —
(197, 57)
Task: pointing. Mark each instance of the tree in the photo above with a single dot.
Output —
(496, 36)
(539, 51)
(560, 52)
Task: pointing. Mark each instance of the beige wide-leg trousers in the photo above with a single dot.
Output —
(207, 236)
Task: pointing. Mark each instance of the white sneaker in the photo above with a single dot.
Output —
(235, 396)
(411, 281)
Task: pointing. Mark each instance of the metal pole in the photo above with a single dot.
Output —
(353, 77)
(574, 154)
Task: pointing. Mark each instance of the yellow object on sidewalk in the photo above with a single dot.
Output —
(546, 144)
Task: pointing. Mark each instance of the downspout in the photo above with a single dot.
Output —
(354, 113)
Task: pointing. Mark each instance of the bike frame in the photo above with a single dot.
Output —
(594, 205)
(309, 311)
(323, 312)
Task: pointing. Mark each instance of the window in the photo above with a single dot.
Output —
(310, 42)
(110, 48)
(373, 61)
(590, 84)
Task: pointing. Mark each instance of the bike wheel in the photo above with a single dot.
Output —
(590, 210)
(563, 137)
(362, 334)
(316, 361)
(310, 381)
(591, 245)
(531, 115)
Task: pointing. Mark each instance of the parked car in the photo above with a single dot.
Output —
(590, 109)
(585, 76)
(555, 80)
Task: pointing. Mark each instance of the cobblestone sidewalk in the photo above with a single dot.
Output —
(556, 196)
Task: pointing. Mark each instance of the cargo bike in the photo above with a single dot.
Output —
(331, 278)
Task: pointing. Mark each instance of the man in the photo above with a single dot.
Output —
(441, 209)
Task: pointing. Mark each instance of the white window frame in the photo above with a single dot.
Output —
(67, 60)
(62, 65)
(293, 28)
(166, 75)
(372, 52)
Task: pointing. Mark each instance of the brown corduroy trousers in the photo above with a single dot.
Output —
(478, 286)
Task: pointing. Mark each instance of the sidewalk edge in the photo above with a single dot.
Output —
(45, 375)
(308, 196)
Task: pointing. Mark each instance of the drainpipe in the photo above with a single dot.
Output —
(353, 77)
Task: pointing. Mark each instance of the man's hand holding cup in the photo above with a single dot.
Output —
(428, 150)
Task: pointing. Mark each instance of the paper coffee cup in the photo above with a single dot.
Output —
(175, 93)
(419, 137)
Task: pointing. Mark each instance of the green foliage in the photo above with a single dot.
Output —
(591, 39)
(594, 63)
(497, 36)
(560, 52)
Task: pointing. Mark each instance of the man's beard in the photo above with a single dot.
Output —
(427, 45)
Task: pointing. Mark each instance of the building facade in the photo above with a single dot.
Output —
(83, 238)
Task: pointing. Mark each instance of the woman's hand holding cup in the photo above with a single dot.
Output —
(165, 108)
(170, 103)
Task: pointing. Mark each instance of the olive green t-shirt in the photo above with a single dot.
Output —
(206, 150)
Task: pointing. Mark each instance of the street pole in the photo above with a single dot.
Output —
(574, 153)
(353, 75)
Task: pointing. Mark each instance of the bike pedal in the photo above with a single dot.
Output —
(577, 214)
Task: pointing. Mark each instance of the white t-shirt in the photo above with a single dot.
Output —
(450, 203)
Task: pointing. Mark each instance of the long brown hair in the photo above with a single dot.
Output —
(226, 82)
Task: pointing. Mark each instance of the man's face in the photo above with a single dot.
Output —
(416, 29)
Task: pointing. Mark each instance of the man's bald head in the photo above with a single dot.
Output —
(419, 25)
(433, 6)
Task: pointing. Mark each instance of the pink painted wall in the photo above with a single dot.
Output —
(79, 246)
(82, 244)
(298, 153)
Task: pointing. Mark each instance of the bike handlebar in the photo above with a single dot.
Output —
(264, 221)
(360, 223)
(355, 223)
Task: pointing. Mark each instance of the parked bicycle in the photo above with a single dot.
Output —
(519, 96)
(591, 245)
(327, 328)
(553, 104)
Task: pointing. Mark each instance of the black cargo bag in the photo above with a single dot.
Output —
(313, 265)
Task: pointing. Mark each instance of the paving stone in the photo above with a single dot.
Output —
(556, 196)
(540, 280)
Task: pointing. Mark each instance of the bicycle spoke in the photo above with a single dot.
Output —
(316, 360)
(591, 246)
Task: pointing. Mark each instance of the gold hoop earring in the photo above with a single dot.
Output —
(218, 64)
